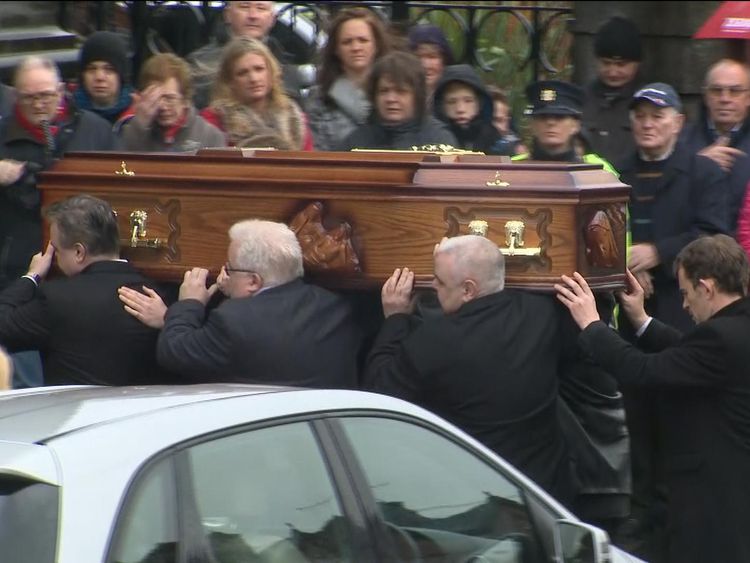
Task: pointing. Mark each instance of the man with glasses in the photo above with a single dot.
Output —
(274, 328)
(165, 118)
(42, 126)
(722, 132)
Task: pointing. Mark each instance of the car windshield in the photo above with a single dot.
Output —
(29, 514)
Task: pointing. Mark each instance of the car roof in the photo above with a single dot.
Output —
(40, 414)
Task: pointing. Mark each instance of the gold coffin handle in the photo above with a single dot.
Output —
(514, 243)
(138, 223)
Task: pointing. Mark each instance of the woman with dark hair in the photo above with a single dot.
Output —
(338, 104)
(249, 103)
(399, 117)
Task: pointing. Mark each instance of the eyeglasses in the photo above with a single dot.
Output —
(228, 269)
(731, 91)
(44, 97)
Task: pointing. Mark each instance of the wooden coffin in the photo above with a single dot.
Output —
(358, 215)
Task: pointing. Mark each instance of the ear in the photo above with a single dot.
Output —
(576, 126)
(708, 286)
(254, 283)
(80, 253)
(470, 290)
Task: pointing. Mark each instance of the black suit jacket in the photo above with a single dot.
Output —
(293, 334)
(705, 379)
(490, 369)
(80, 327)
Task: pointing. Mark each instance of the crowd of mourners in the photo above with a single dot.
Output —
(633, 409)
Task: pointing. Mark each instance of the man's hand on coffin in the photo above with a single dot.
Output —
(11, 171)
(577, 296)
(146, 104)
(398, 293)
(41, 262)
(631, 300)
(643, 257)
(147, 307)
(194, 286)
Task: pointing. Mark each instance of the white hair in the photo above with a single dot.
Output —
(476, 258)
(269, 249)
(34, 62)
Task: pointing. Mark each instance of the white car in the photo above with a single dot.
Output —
(240, 474)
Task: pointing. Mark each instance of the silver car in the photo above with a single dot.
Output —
(240, 474)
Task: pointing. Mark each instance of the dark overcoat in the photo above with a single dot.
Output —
(491, 369)
(20, 218)
(293, 334)
(81, 328)
(705, 383)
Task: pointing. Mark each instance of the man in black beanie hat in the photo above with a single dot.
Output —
(617, 46)
(104, 77)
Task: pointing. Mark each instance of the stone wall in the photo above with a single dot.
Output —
(670, 53)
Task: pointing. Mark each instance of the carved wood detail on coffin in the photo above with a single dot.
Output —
(535, 228)
(150, 230)
(324, 250)
(604, 236)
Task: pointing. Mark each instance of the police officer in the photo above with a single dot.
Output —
(555, 110)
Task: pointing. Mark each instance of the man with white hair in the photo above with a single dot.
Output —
(274, 328)
(489, 365)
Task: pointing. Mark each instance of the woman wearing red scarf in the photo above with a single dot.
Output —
(165, 119)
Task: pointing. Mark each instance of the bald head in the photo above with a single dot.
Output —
(467, 267)
(727, 93)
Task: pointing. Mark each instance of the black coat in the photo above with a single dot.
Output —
(706, 414)
(80, 327)
(293, 334)
(20, 219)
(698, 136)
(490, 369)
(375, 135)
(689, 202)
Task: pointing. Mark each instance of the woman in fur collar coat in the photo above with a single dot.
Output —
(249, 102)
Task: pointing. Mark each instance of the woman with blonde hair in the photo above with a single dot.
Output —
(249, 103)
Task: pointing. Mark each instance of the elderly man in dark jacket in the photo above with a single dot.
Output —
(722, 132)
(489, 365)
(42, 127)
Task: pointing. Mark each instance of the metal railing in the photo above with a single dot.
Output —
(530, 39)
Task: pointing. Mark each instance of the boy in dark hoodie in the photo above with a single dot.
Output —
(463, 103)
